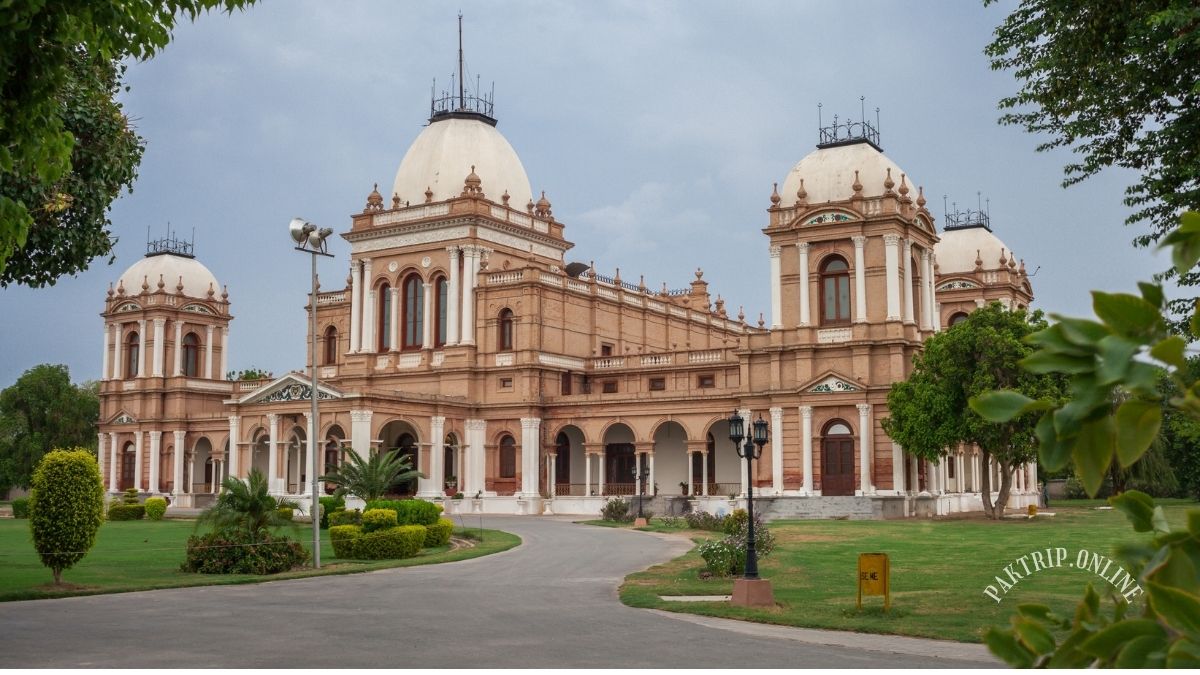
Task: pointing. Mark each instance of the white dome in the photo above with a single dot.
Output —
(957, 250)
(196, 277)
(443, 154)
(828, 174)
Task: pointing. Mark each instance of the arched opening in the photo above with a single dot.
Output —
(384, 317)
(699, 471)
(450, 469)
(295, 470)
(957, 318)
(202, 467)
(837, 459)
(260, 453)
(128, 467)
(916, 290)
(133, 352)
(505, 328)
(414, 312)
(724, 465)
(401, 438)
(332, 453)
(670, 459)
(508, 457)
(166, 480)
(570, 463)
(191, 355)
(619, 460)
(330, 343)
(441, 296)
(835, 291)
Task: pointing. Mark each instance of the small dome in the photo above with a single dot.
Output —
(447, 148)
(828, 173)
(958, 248)
(196, 277)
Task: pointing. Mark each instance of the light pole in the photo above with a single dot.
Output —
(639, 480)
(311, 239)
(750, 590)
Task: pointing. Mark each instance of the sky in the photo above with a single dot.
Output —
(655, 129)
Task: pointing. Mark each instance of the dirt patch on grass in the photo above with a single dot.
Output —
(64, 587)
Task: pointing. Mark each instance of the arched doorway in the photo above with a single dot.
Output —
(670, 459)
(202, 466)
(569, 467)
(400, 437)
(619, 460)
(837, 460)
(260, 453)
(450, 469)
(295, 471)
(128, 466)
(724, 466)
(332, 453)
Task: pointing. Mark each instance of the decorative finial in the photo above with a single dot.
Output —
(741, 314)
(161, 283)
(472, 185)
(978, 261)
(121, 287)
(110, 289)
(699, 274)
(801, 194)
(774, 195)
(617, 277)
(529, 206)
(888, 183)
(395, 200)
(146, 284)
(761, 321)
(1022, 270)
(212, 292)
(542, 208)
(857, 186)
(374, 200)
(1012, 262)
(903, 187)
(225, 292)
(1003, 260)
(504, 198)
(428, 194)
(921, 196)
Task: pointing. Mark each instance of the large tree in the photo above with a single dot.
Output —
(40, 412)
(929, 413)
(1115, 81)
(56, 58)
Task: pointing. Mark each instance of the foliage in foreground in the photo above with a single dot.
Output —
(245, 505)
(66, 508)
(235, 551)
(41, 411)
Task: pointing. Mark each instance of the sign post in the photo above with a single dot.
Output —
(874, 577)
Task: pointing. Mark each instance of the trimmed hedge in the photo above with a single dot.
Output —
(343, 517)
(20, 507)
(378, 519)
(127, 512)
(286, 512)
(438, 534)
(156, 507)
(342, 537)
(403, 541)
(409, 511)
(235, 552)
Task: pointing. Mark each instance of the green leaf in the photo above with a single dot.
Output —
(1184, 653)
(1176, 607)
(1082, 332)
(1152, 293)
(1159, 521)
(1170, 351)
(1054, 453)
(1005, 405)
(1034, 637)
(1193, 523)
(1184, 243)
(1004, 645)
(1092, 452)
(1055, 339)
(1137, 426)
(1138, 507)
(1114, 359)
(1126, 314)
(1195, 322)
(1046, 361)
(1034, 611)
(1146, 651)
(1106, 643)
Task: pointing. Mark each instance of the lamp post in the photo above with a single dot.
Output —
(750, 590)
(311, 239)
(639, 480)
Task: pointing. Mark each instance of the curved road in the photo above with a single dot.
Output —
(549, 603)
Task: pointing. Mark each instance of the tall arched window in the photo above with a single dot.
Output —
(506, 329)
(837, 455)
(191, 355)
(916, 292)
(835, 291)
(414, 312)
(508, 457)
(330, 346)
(385, 317)
(133, 353)
(441, 293)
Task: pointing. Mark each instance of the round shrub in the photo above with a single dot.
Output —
(344, 517)
(438, 534)
(155, 508)
(126, 512)
(342, 537)
(20, 507)
(735, 521)
(402, 541)
(616, 509)
(286, 512)
(234, 551)
(409, 511)
(378, 519)
(66, 508)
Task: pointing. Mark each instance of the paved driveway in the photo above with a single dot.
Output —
(551, 602)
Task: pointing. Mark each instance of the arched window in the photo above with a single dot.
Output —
(508, 457)
(837, 459)
(385, 317)
(441, 294)
(191, 355)
(506, 329)
(835, 291)
(916, 291)
(133, 353)
(958, 318)
(330, 346)
(414, 312)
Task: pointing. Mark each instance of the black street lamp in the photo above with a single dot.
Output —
(639, 479)
(751, 451)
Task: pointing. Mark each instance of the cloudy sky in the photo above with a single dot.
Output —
(656, 129)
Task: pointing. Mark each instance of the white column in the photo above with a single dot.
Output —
(650, 484)
(137, 460)
(160, 332)
(104, 373)
(273, 480)
(177, 367)
(906, 251)
(208, 352)
(355, 307)
(600, 460)
(304, 486)
(806, 414)
(587, 473)
(704, 473)
(224, 353)
(530, 445)
(552, 474)
(141, 364)
(865, 432)
(437, 455)
(453, 298)
(897, 468)
(476, 459)
(101, 457)
(960, 481)
(637, 473)
(776, 288)
(177, 462)
(860, 280)
(1031, 481)
(427, 318)
(805, 291)
(926, 308)
(470, 270)
(691, 488)
(113, 461)
(914, 478)
(891, 259)
(777, 450)
(936, 318)
(118, 349)
(394, 320)
(155, 452)
(360, 432)
(367, 334)
(235, 447)
(749, 425)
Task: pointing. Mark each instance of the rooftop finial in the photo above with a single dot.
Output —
(849, 131)
(458, 102)
(978, 217)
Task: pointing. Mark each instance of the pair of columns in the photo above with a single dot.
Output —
(158, 357)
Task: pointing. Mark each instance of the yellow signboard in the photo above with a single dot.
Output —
(874, 577)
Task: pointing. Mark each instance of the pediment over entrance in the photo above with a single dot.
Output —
(832, 383)
(290, 387)
(123, 418)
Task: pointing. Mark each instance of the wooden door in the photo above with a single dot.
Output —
(837, 468)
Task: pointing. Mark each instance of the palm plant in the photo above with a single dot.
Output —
(371, 478)
(246, 505)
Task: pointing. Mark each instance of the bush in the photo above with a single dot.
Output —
(287, 512)
(378, 519)
(720, 558)
(155, 507)
(1074, 489)
(235, 552)
(343, 517)
(409, 511)
(458, 495)
(20, 507)
(342, 537)
(728, 556)
(403, 541)
(735, 521)
(66, 508)
(126, 512)
(438, 534)
(130, 496)
(616, 510)
(702, 520)
(328, 506)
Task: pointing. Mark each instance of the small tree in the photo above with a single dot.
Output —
(66, 508)
(371, 478)
(929, 412)
(246, 505)
(41, 411)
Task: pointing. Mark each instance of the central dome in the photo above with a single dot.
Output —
(443, 154)
(828, 174)
(173, 270)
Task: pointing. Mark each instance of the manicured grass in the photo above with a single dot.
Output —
(143, 555)
(939, 571)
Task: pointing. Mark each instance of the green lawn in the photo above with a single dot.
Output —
(142, 555)
(939, 571)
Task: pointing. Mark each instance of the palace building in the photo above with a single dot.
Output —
(465, 339)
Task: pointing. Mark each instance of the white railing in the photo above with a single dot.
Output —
(504, 277)
(656, 306)
(411, 213)
(609, 362)
(656, 360)
(704, 357)
(328, 372)
(577, 286)
(382, 362)
(676, 311)
(505, 359)
(832, 335)
(552, 279)
(606, 292)
(561, 361)
(438, 358)
(331, 298)
(408, 361)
